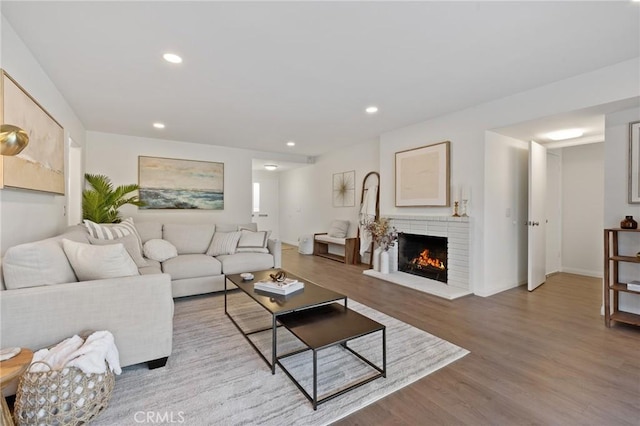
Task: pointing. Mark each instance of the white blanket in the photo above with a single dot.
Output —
(98, 348)
(89, 356)
(58, 356)
(367, 214)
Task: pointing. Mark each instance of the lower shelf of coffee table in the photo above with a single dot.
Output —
(326, 326)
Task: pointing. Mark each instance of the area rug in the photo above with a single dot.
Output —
(214, 377)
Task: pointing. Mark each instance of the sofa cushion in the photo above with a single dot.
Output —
(338, 228)
(159, 250)
(112, 231)
(191, 266)
(99, 262)
(223, 243)
(230, 227)
(34, 264)
(153, 267)
(130, 243)
(245, 262)
(149, 231)
(331, 240)
(253, 242)
(189, 238)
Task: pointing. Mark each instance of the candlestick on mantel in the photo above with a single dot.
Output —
(464, 197)
(464, 193)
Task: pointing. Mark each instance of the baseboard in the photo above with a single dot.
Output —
(594, 274)
(496, 290)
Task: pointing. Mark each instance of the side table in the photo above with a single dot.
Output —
(9, 370)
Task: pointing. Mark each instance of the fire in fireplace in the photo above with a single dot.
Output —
(423, 255)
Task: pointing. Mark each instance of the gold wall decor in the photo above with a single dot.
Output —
(40, 166)
(344, 189)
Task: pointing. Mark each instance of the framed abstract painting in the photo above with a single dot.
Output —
(169, 183)
(40, 166)
(422, 176)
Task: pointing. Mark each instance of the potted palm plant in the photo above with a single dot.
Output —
(101, 202)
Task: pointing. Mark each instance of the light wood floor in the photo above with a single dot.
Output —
(541, 358)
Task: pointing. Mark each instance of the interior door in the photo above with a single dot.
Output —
(554, 213)
(537, 215)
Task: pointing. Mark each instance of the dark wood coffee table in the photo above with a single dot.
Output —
(312, 295)
(311, 316)
(325, 326)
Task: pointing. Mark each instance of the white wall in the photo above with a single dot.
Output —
(306, 205)
(29, 215)
(117, 157)
(505, 190)
(583, 209)
(466, 131)
(616, 206)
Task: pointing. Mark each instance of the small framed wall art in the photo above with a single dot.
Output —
(634, 162)
(422, 176)
(344, 189)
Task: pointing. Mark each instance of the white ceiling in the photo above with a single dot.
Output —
(257, 74)
(588, 120)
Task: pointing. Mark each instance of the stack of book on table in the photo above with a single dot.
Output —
(279, 287)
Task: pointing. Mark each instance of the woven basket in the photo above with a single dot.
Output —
(61, 397)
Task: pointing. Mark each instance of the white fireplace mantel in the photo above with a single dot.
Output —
(456, 229)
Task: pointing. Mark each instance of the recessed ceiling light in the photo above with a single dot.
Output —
(270, 167)
(172, 57)
(561, 135)
(158, 125)
(372, 109)
(291, 143)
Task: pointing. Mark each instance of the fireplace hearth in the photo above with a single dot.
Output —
(423, 255)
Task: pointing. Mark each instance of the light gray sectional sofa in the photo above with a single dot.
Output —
(42, 301)
(194, 271)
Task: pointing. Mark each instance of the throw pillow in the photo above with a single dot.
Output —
(253, 242)
(35, 264)
(338, 228)
(160, 250)
(223, 243)
(99, 262)
(111, 231)
(249, 227)
(130, 243)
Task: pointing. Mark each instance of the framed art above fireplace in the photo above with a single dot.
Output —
(422, 176)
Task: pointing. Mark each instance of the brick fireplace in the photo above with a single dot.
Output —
(454, 231)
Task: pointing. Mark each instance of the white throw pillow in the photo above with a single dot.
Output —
(35, 264)
(223, 243)
(253, 242)
(159, 250)
(339, 228)
(130, 243)
(112, 231)
(99, 262)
